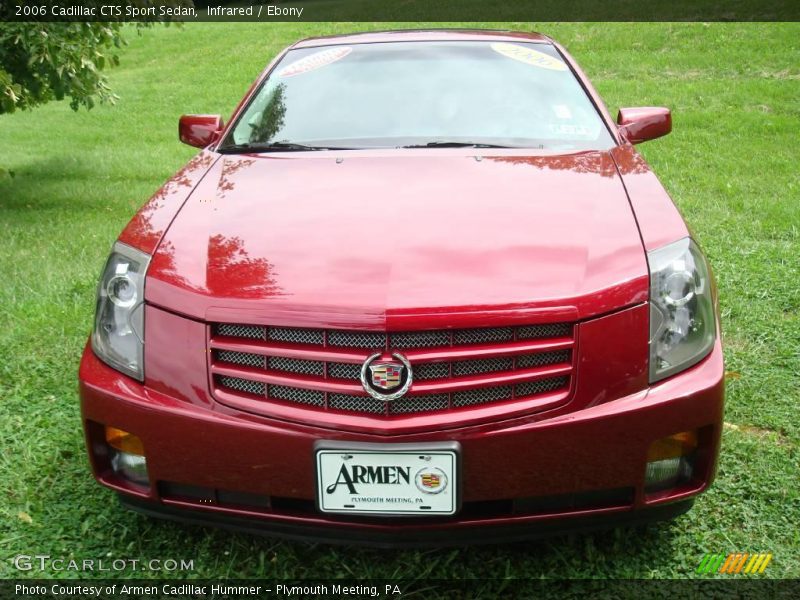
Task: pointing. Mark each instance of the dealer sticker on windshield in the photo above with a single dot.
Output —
(417, 481)
(529, 56)
(314, 61)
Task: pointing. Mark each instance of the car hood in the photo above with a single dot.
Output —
(354, 238)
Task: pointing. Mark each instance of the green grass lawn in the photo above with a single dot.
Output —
(731, 165)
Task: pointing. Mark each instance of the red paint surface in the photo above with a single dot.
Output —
(290, 238)
(659, 221)
(403, 240)
(644, 123)
(199, 130)
(601, 447)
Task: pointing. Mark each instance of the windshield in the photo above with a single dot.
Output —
(418, 94)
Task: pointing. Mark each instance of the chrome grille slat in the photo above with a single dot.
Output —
(243, 385)
(417, 404)
(529, 361)
(252, 332)
(550, 330)
(478, 367)
(344, 370)
(372, 340)
(420, 339)
(531, 388)
(482, 395)
(442, 369)
(364, 404)
(464, 337)
(425, 371)
(241, 358)
(294, 335)
(299, 395)
(294, 365)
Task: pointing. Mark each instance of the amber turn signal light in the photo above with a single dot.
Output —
(123, 441)
(674, 446)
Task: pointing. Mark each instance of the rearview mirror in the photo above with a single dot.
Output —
(199, 130)
(644, 123)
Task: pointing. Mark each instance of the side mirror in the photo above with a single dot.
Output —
(199, 130)
(644, 123)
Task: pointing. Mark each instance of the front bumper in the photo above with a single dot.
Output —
(406, 537)
(521, 477)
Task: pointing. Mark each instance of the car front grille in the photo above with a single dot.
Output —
(452, 369)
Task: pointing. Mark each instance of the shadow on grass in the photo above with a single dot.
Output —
(76, 182)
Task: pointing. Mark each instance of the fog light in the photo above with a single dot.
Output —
(130, 466)
(669, 461)
(127, 455)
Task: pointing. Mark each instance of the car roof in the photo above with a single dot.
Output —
(424, 35)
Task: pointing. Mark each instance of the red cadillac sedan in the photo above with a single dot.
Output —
(421, 289)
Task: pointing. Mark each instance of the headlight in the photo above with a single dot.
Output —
(118, 337)
(682, 320)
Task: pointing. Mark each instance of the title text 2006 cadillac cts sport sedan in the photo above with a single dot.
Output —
(421, 289)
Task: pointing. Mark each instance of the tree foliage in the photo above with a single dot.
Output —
(44, 61)
(40, 62)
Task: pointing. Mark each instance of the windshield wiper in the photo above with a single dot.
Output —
(274, 147)
(446, 144)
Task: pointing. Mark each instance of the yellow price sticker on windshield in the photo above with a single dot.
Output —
(529, 56)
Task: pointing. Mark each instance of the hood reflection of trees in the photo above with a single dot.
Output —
(230, 167)
(583, 162)
(230, 271)
(141, 228)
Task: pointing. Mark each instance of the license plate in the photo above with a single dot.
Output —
(388, 479)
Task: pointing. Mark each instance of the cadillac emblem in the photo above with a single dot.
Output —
(386, 378)
(430, 480)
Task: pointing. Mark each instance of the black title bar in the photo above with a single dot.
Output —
(369, 589)
(400, 10)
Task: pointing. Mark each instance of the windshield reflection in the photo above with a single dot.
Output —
(398, 94)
